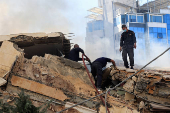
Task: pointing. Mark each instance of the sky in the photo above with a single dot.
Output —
(29, 16)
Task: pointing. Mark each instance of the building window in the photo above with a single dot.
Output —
(160, 35)
(132, 18)
(123, 19)
(140, 35)
(157, 32)
(90, 27)
(140, 19)
(155, 18)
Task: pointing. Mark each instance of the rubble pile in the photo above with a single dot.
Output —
(150, 86)
(66, 83)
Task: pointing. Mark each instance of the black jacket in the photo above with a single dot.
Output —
(74, 54)
(127, 39)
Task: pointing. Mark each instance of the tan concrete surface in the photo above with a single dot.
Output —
(8, 55)
(38, 88)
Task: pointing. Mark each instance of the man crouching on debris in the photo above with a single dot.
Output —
(96, 69)
(74, 53)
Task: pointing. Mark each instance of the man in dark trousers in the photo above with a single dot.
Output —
(74, 53)
(96, 70)
(127, 44)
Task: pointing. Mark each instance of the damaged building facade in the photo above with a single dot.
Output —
(45, 76)
(150, 22)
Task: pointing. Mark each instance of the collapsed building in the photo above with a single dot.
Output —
(33, 63)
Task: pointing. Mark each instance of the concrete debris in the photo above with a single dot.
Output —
(9, 52)
(81, 109)
(129, 97)
(2, 81)
(48, 76)
(38, 88)
(129, 86)
(141, 105)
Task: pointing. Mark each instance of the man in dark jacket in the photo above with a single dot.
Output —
(74, 53)
(127, 44)
(96, 70)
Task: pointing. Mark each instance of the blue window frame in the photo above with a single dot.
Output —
(135, 29)
(90, 27)
(169, 32)
(155, 29)
(164, 35)
(143, 30)
(160, 35)
(163, 30)
(123, 19)
(168, 26)
(139, 29)
(150, 35)
(131, 28)
(132, 18)
(155, 18)
(127, 18)
(159, 30)
(150, 29)
(155, 35)
(140, 19)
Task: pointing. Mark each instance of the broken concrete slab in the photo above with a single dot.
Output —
(121, 68)
(129, 86)
(9, 52)
(129, 96)
(166, 77)
(38, 88)
(2, 81)
(80, 108)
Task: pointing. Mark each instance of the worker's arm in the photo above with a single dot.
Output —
(134, 40)
(80, 50)
(121, 42)
(113, 62)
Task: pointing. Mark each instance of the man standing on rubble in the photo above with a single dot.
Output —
(74, 53)
(127, 44)
(96, 70)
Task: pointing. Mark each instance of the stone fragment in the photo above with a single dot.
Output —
(129, 85)
(166, 77)
(134, 79)
(81, 109)
(129, 96)
(121, 68)
(38, 88)
(37, 75)
(2, 81)
(141, 105)
(8, 55)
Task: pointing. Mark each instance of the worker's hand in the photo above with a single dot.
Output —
(135, 45)
(120, 49)
(87, 59)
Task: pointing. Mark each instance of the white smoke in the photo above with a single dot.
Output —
(103, 47)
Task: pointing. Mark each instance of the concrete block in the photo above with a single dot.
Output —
(80, 108)
(38, 88)
(166, 77)
(121, 68)
(129, 86)
(8, 55)
(129, 96)
(2, 81)
(134, 79)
